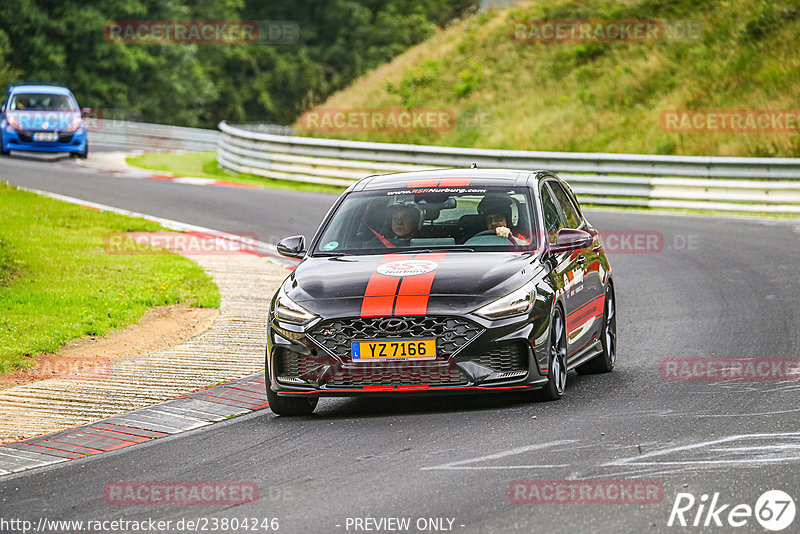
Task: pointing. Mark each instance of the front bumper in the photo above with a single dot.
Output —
(473, 355)
(23, 140)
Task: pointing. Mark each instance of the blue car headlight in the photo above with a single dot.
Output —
(76, 125)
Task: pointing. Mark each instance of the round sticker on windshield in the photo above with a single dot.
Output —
(330, 246)
(407, 267)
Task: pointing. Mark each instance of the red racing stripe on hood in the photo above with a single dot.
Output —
(412, 299)
(381, 290)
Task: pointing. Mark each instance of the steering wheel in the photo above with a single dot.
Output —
(486, 232)
(494, 233)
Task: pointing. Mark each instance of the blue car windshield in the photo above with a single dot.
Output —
(469, 219)
(42, 102)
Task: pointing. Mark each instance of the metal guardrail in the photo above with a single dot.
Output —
(716, 183)
(138, 135)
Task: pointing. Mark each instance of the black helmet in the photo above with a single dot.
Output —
(499, 204)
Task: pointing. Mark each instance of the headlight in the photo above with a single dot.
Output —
(288, 310)
(75, 125)
(516, 303)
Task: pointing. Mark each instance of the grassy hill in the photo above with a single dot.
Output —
(595, 97)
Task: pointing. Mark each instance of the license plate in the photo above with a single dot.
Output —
(395, 349)
(45, 136)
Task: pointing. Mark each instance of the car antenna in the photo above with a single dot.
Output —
(473, 166)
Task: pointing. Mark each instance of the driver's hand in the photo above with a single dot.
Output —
(503, 231)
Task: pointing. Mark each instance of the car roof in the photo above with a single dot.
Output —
(473, 177)
(43, 89)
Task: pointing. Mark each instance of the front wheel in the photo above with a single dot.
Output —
(604, 362)
(301, 405)
(557, 349)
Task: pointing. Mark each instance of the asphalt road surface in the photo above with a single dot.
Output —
(711, 287)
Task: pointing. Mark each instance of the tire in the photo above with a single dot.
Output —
(290, 405)
(604, 362)
(85, 153)
(557, 371)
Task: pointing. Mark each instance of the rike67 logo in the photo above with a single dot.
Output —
(774, 510)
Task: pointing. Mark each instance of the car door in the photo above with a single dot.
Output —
(567, 271)
(586, 293)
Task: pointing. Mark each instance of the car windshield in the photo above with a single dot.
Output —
(42, 102)
(469, 219)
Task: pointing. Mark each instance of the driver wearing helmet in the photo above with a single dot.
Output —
(496, 211)
(404, 222)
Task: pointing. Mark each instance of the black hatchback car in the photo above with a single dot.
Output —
(451, 281)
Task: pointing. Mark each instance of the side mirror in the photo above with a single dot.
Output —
(571, 239)
(292, 247)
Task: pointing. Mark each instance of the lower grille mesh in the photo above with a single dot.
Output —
(504, 359)
(326, 370)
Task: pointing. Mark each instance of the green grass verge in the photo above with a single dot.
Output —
(204, 165)
(57, 283)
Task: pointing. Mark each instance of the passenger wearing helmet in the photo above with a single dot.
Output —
(496, 211)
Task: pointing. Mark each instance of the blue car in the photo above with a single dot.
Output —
(42, 118)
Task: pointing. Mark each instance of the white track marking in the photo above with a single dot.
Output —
(461, 464)
(709, 445)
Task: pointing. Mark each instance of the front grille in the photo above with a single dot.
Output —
(291, 366)
(27, 137)
(397, 373)
(451, 333)
(504, 359)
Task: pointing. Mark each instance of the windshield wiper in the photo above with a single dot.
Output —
(437, 249)
(328, 254)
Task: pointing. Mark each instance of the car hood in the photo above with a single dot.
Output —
(42, 121)
(407, 284)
